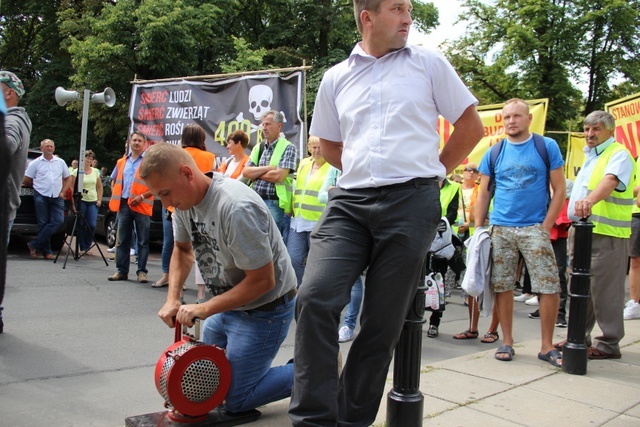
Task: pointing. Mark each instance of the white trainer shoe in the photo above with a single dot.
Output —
(132, 252)
(532, 301)
(632, 311)
(522, 298)
(111, 250)
(345, 334)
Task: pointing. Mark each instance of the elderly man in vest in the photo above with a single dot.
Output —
(270, 167)
(133, 201)
(603, 192)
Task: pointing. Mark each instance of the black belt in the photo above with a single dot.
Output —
(268, 197)
(278, 301)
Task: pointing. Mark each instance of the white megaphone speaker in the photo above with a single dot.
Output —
(63, 96)
(108, 97)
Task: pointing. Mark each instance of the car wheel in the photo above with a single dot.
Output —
(110, 232)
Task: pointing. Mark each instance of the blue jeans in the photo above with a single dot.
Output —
(390, 230)
(298, 248)
(50, 217)
(85, 236)
(278, 215)
(252, 340)
(167, 241)
(126, 220)
(353, 308)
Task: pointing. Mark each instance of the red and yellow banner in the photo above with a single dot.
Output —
(626, 111)
(491, 116)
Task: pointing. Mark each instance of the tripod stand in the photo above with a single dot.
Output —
(78, 220)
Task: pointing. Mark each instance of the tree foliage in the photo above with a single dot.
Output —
(545, 49)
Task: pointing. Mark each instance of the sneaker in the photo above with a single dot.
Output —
(632, 311)
(142, 277)
(534, 315)
(561, 322)
(111, 250)
(522, 298)
(433, 331)
(532, 301)
(132, 252)
(345, 334)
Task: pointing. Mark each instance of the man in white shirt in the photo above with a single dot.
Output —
(49, 177)
(376, 116)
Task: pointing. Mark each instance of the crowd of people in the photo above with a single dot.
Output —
(274, 238)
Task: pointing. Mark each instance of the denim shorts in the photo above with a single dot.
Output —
(534, 243)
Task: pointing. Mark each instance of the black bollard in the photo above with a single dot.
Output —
(574, 351)
(405, 402)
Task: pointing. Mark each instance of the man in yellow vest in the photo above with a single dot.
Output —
(603, 192)
(133, 201)
(271, 167)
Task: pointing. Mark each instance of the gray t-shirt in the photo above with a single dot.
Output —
(231, 231)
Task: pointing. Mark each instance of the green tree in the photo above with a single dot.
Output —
(545, 48)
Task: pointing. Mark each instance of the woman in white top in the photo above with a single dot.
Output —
(237, 143)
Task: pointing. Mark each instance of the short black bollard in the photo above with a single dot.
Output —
(574, 351)
(405, 402)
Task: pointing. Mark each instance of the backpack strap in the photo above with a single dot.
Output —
(493, 156)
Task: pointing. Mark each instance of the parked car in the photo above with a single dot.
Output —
(25, 223)
(106, 223)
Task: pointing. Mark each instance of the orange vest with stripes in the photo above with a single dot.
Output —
(137, 188)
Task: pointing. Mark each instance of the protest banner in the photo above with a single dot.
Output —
(161, 109)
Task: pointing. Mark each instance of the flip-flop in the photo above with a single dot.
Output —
(159, 285)
(505, 349)
(552, 357)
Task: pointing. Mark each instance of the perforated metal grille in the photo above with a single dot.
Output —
(200, 380)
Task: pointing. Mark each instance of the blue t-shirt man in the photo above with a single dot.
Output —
(522, 195)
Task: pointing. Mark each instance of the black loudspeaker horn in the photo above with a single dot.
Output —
(108, 97)
(63, 96)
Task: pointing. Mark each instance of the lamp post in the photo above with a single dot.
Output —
(63, 97)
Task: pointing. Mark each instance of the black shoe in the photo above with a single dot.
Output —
(534, 315)
(433, 331)
(561, 322)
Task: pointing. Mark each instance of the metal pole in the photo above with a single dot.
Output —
(574, 351)
(83, 139)
(405, 402)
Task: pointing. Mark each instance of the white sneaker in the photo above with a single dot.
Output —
(532, 301)
(629, 303)
(111, 250)
(132, 252)
(522, 298)
(345, 334)
(632, 311)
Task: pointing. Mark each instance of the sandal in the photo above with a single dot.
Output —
(490, 337)
(159, 284)
(466, 335)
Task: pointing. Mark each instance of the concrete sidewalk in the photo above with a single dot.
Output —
(477, 390)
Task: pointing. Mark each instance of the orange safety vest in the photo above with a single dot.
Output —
(137, 188)
(236, 173)
(205, 160)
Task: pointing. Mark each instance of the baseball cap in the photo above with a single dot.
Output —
(11, 80)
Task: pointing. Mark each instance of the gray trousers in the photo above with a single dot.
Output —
(609, 257)
(390, 230)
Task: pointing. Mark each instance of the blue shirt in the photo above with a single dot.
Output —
(521, 198)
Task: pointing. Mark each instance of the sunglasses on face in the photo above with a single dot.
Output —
(471, 170)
